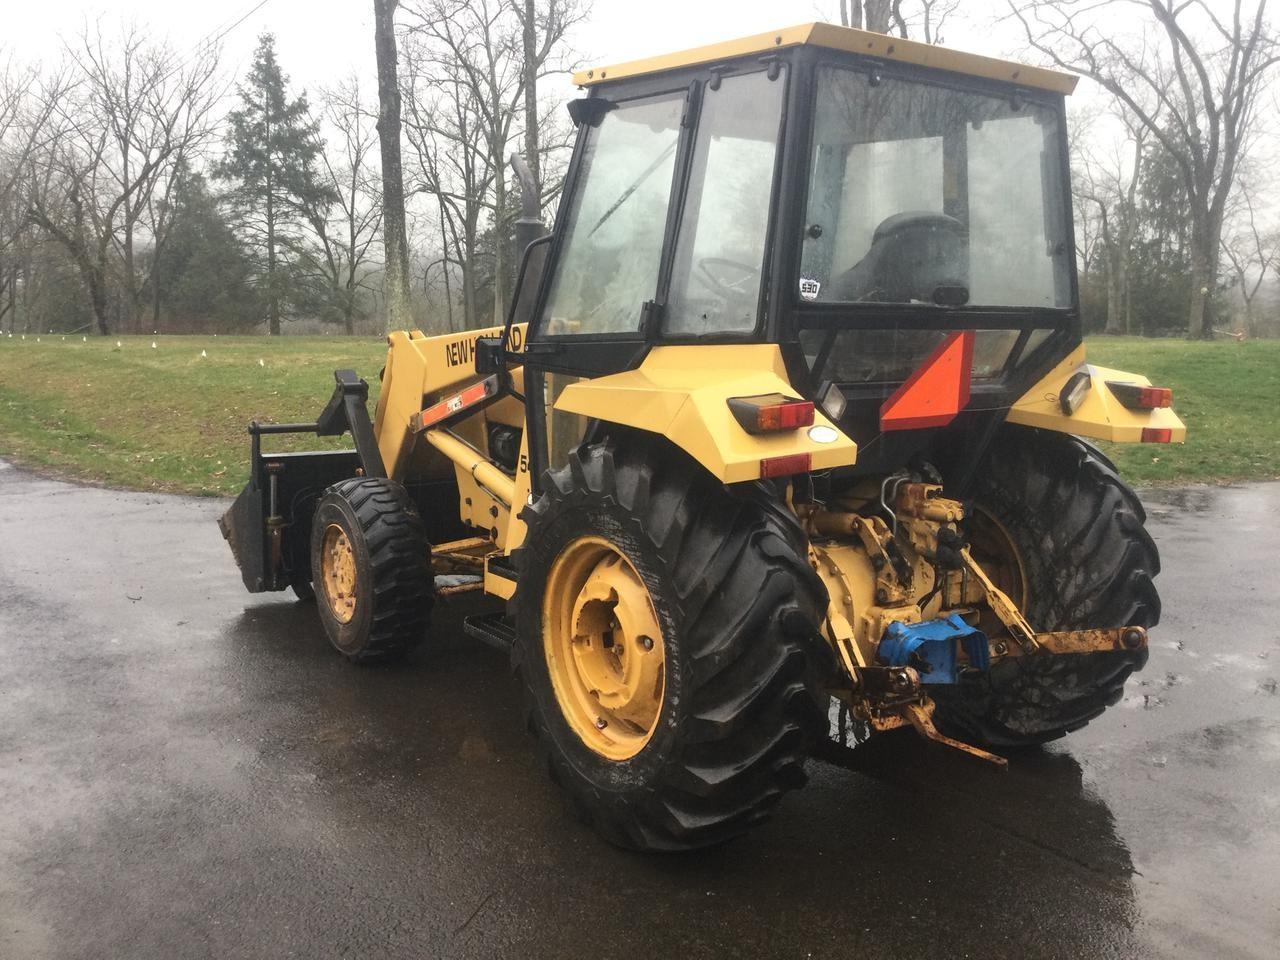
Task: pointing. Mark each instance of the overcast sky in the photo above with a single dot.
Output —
(319, 41)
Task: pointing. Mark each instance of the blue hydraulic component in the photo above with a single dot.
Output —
(930, 647)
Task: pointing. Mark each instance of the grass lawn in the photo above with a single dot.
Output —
(168, 418)
(165, 418)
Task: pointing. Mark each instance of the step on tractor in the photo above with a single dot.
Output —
(787, 435)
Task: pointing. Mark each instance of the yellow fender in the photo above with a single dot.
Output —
(1100, 416)
(682, 393)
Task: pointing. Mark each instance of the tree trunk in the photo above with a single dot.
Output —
(155, 292)
(395, 274)
(132, 322)
(1115, 293)
(1244, 316)
(96, 284)
(468, 259)
(273, 290)
(12, 296)
(448, 292)
(154, 277)
(1213, 245)
(877, 15)
(499, 240)
(349, 304)
(130, 294)
(1128, 302)
(531, 139)
(1205, 241)
(1196, 326)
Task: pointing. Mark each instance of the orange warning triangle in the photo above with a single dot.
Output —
(936, 392)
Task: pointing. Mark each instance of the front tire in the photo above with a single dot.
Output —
(737, 607)
(1063, 535)
(371, 567)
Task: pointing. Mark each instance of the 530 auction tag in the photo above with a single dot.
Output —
(809, 289)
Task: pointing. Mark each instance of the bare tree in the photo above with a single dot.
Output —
(345, 231)
(1192, 78)
(1108, 180)
(395, 241)
(136, 109)
(1251, 253)
(27, 100)
(469, 74)
(543, 29)
(527, 10)
(440, 125)
(923, 19)
(476, 42)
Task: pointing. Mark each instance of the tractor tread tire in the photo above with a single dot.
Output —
(398, 568)
(728, 572)
(1088, 561)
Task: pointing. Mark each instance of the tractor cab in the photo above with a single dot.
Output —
(854, 199)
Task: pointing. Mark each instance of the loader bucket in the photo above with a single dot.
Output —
(244, 529)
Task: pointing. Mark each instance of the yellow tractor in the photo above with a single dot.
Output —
(786, 424)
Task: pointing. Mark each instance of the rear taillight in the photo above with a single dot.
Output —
(1137, 397)
(771, 412)
(785, 466)
(1157, 435)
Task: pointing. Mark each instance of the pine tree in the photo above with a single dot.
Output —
(203, 277)
(272, 148)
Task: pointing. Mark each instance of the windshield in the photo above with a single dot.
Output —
(607, 266)
(923, 194)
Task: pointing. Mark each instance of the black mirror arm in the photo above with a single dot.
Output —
(514, 305)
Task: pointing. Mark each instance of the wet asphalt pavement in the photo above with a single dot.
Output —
(189, 771)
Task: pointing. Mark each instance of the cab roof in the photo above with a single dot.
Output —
(847, 40)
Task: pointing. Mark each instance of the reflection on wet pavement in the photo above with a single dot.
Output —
(189, 771)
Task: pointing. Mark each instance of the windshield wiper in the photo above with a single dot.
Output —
(635, 185)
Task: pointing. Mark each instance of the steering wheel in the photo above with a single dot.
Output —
(727, 289)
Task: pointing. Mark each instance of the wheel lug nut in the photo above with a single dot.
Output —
(601, 723)
(646, 642)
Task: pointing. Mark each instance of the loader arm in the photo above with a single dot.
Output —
(420, 370)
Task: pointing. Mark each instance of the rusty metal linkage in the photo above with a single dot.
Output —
(1127, 639)
(921, 717)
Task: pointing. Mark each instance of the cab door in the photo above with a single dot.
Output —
(606, 259)
(663, 237)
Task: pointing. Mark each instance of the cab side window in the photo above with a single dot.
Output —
(612, 245)
(719, 258)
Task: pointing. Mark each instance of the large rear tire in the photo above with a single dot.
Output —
(1064, 536)
(737, 607)
(371, 567)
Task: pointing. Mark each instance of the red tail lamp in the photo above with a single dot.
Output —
(771, 412)
(1137, 397)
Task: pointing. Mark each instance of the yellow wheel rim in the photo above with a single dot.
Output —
(338, 573)
(604, 648)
